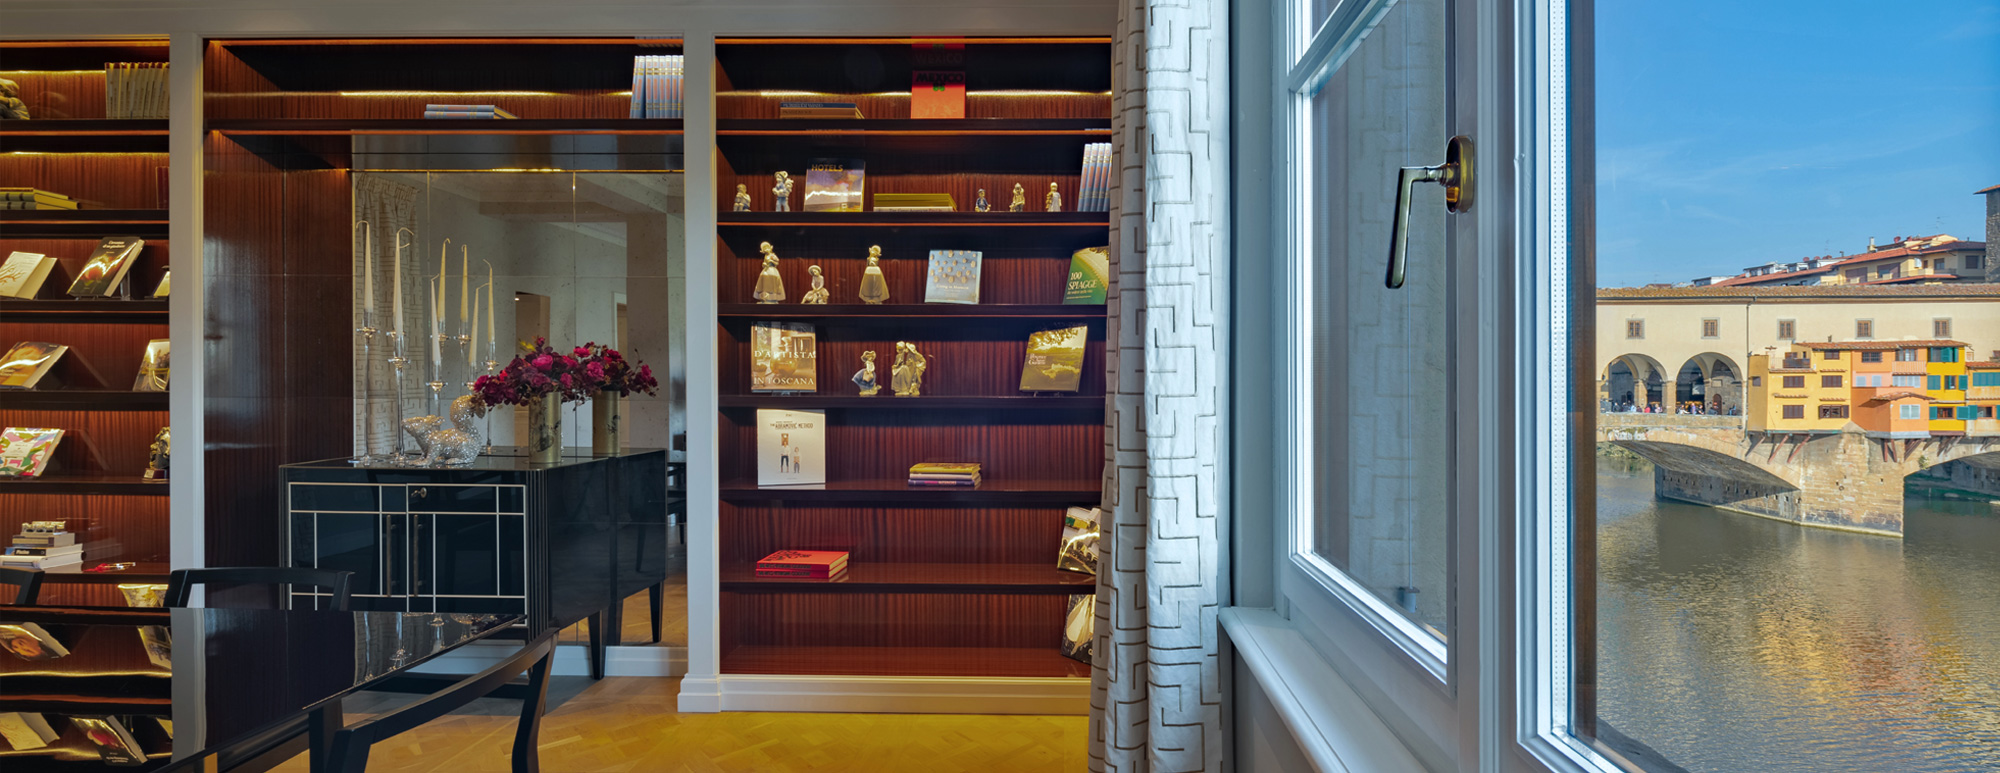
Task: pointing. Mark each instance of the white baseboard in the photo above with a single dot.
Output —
(897, 694)
(700, 695)
(570, 660)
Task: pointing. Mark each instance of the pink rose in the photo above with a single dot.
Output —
(595, 371)
(544, 362)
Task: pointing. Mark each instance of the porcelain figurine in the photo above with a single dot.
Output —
(770, 286)
(906, 377)
(1020, 202)
(817, 295)
(1053, 201)
(979, 203)
(865, 377)
(874, 288)
(159, 456)
(742, 198)
(783, 190)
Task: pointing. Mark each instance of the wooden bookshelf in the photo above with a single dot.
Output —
(306, 127)
(952, 582)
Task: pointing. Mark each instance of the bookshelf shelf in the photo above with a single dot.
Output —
(871, 577)
(74, 574)
(1063, 403)
(914, 127)
(901, 661)
(896, 491)
(84, 484)
(896, 313)
(1091, 221)
(423, 126)
(83, 400)
(94, 135)
(84, 309)
(82, 223)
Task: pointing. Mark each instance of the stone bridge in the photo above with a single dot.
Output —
(1843, 481)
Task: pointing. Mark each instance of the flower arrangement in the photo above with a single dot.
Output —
(539, 371)
(605, 370)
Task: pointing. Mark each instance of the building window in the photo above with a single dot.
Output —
(1795, 411)
(1795, 382)
(1940, 412)
(1886, 272)
(1910, 412)
(1711, 328)
(1906, 355)
(1986, 411)
(1635, 329)
(1941, 327)
(1944, 354)
(1934, 383)
(1757, 381)
(1833, 411)
(1864, 328)
(1829, 382)
(1787, 329)
(1975, 261)
(1831, 354)
(1911, 380)
(1952, 383)
(1986, 379)
(1968, 412)
(1857, 275)
(1871, 356)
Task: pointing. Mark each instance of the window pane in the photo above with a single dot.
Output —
(1381, 361)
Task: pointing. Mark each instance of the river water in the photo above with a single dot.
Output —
(1735, 643)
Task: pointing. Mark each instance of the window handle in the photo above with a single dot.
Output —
(1455, 174)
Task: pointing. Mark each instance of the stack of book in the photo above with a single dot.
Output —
(34, 198)
(818, 110)
(803, 564)
(135, 90)
(1096, 193)
(945, 474)
(915, 202)
(42, 545)
(656, 86)
(484, 112)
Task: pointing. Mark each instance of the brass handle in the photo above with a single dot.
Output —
(1455, 174)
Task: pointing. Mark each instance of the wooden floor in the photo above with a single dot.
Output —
(628, 724)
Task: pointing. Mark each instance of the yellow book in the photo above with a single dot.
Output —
(953, 468)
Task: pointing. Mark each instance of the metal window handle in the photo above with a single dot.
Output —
(1455, 174)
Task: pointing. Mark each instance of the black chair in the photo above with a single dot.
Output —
(29, 580)
(347, 750)
(181, 581)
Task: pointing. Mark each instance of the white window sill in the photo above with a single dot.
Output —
(1333, 727)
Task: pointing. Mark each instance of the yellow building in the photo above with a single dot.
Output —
(1945, 382)
(1982, 395)
(1807, 389)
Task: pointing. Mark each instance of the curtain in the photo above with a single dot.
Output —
(1156, 675)
(386, 205)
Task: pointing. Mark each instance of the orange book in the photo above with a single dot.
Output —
(811, 564)
(937, 94)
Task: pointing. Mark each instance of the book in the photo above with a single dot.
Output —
(23, 274)
(40, 562)
(50, 551)
(791, 447)
(153, 368)
(834, 185)
(1078, 552)
(135, 90)
(818, 110)
(1080, 627)
(29, 641)
(34, 198)
(1094, 194)
(950, 468)
(1055, 360)
(166, 284)
(115, 745)
(25, 451)
(107, 267)
(943, 476)
(953, 277)
(915, 202)
(945, 483)
(26, 730)
(1089, 276)
(27, 363)
(816, 564)
(937, 94)
(784, 357)
(159, 645)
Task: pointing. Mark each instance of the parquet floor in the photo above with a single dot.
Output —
(628, 725)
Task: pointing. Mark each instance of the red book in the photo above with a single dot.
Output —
(937, 94)
(814, 564)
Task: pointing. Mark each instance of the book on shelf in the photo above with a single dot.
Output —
(1080, 627)
(25, 451)
(791, 447)
(24, 273)
(657, 86)
(115, 745)
(33, 551)
(135, 90)
(467, 111)
(953, 277)
(25, 730)
(40, 562)
(29, 641)
(154, 366)
(28, 363)
(945, 474)
(819, 110)
(166, 284)
(34, 198)
(107, 267)
(158, 642)
(1095, 191)
(1078, 552)
(937, 94)
(915, 202)
(1055, 360)
(784, 357)
(1089, 277)
(834, 185)
(809, 564)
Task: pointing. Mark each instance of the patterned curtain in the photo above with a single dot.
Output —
(1156, 676)
(386, 205)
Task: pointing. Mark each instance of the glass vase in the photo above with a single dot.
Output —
(606, 416)
(545, 430)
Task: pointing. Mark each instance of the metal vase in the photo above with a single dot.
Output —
(545, 430)
(606, 417)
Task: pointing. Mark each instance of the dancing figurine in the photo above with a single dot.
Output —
(979, 203)
(1053, 201)
(874, 288)
(865, 377)
(770, 287)
(906, 377)
(1020, 202)
(783, 190)
(742, 198)
(817, 295)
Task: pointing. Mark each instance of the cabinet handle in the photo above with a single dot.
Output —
(419, 492)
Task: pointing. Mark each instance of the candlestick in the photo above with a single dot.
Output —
(397, 362)
(437, 356)
(398, 309)
(464, 283)
(368, 455)
(474, 347)
(367, 268)
(438, 310)
(489, 308)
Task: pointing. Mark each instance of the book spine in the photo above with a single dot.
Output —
(793, 571)
(638, 105)
(944, 483)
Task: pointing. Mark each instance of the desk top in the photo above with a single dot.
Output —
(215, 676)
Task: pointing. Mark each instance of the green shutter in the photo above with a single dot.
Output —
(1967, 413)
(1936, 383)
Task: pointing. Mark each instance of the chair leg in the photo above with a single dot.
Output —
(320, 728)
(346, 754)
(596, 625)
(527, 735)
(657, 594)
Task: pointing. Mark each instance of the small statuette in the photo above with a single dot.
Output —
(1020, 203)
(742, 198)
(979, 204)
(865, 377)
(783, 190)
(160, 454)
(421, 429)
(906, 376)
(770, 287)
(817, 295)
(1053, 201)
(874, 288)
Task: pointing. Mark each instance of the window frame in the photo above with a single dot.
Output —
(1711, 328)
(1635, 330)
(1940, 327)
(1864, 329)
(1787, 382)
(1788, 330)
(1788, 410)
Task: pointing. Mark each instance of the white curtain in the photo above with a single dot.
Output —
(1156, 677)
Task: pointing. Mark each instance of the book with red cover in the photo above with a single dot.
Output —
(812, 564)
(937, 94)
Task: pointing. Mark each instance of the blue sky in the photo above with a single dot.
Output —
(1737, 133)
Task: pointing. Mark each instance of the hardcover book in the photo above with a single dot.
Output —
(1079, 540)
(1080, 627)
(811, 564)
(791, 447)
(23, 274)
(29, 641)
(953, 277)
(26, 730)
(166, 284)
(834, 185)
(24, 366)
(107, 267)
(937, 94)
(25, 452)
(115, 745)
(783, 357)
(159, 645)
(153, 368)
(1089, 276)
(1055, 360)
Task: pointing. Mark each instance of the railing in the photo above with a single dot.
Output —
(1608, 420)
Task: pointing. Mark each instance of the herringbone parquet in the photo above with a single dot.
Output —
(628, 725)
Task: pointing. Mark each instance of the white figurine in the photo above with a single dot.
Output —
(874, 288)
(817, 295)
(979, 204)
(1020, 202)
(742, 198)
(770, 286)
(865, 377)
(1053, 201)
(783, 190)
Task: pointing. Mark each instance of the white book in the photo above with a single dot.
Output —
(26, 730)
(23, 273)
(791, 447)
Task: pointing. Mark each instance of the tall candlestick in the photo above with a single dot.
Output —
(490, 313)
(367, 271)
(437, 310)
(464, 284)
(473, 345)
(437, 355)
(397, 309)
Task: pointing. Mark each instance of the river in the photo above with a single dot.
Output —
(1735, 643)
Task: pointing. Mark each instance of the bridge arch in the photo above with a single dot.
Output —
(1634, 379)
(1712, 380)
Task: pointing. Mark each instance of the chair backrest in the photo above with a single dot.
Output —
(181, 581)
(348, 753)
(29, 582)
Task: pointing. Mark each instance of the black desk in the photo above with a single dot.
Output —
(238, 685)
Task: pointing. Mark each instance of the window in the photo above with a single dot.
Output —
(1941, 327)
(1871, 356)
(1795, 382)
(1831, 354)
(1944, 354)
(1787, 329)
(1985, 412)
(1934, 383)
(1989, 378)
(1911, 380)
(1756, 381)
(1795, 411)
(1940, 413)
(1886, 272)
(1635, 329)
(1952, 383)
(1857, 275)
(1833, 411)
(1975, 261)
(1864, 328)
(1829, 382)
(1906, 355)
(1711, 328)
(1968, 412)
(1910, 412)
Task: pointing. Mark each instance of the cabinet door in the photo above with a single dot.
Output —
(350, 542)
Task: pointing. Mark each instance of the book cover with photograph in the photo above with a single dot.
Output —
(107, 267)
(115, 745)
(159, 645)
(154, 366)
(1089, 276)
(1055, 360)
(25, 451)
(953, 277)
(791, 447)
(784, 357)
(834, 185)
(28, 641)
(24, 365)
(23, 274)
(1079, 540)
(1080, 627)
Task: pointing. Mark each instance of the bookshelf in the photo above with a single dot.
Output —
(115, 169)
(942, 582)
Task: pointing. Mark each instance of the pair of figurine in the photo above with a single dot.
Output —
(906, 375)
(781, 189)
(770, 286)
(1052, 202)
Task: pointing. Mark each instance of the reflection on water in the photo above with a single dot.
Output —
(1734, 643)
